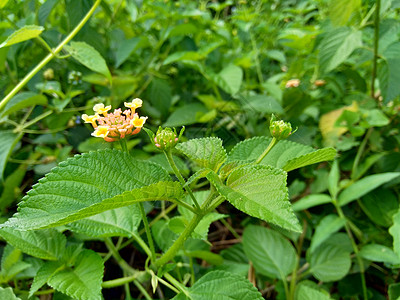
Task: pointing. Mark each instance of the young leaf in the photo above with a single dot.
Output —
(261, 192)
(311, 201)
(326, 227)
(71, 191)
(83, 281)
(8, 294)
(3, 3)
(121, 221)
(329, 262)
(271, 254)
(336, 47)
(8, 139)
(45, 244)
(89, 57)
(364, 186)
(220, 285)
(379, 253)
(286, 155)
(25, 33)
(205, 152)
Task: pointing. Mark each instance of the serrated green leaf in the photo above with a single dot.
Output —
(364, 186)
(45, 244)
(89, 184)
(45, 272)
(261, 192)
(329, 262)
(23, 34)
(326, 227)
(308, 290)
(83, 280)
(336, 47)
(221, 285)
(7, 293)
(121, 221)
(286, 155)
(205, 152)
(311, 201)
(89, 57)
(341, 10)
(271, 254)
(11, 264)
(22, 100)
(379, 253)
(8, 140)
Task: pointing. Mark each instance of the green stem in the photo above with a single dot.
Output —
(176, 283)
(148, 232)
(142, 290)
(178, 174)
(118, 282)
(141, 243)
(266, 151)
(359, 154)
(230, 228)
(122, 263)
(176, 246)
(48, 58)
(376, 46)
(167, 284)
(355, 248)
(35, 120)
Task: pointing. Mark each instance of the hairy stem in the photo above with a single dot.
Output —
(48, 58)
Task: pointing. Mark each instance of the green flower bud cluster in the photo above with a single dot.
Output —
(279, 129)
(167, 138)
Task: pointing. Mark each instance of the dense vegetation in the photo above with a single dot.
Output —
(237, 204)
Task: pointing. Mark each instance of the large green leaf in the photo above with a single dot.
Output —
(379, 253)
(308, 290)
(89, 184)
(286, 155)
(89, 57)
(326, 227)
(8, 140)
(271, 254)
(221, 285)
(229, 79)
(25, 33)
(205, 152)
(261, 192)
(45, 244)
(123, 221)
(364, 186)
(83, 281)
(23, 100)
(336, 46)
(341, 10)
(8, 294)
(329, 262)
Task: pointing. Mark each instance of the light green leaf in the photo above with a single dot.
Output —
(125, 49)
(89, 184)
(261, 192)
(311, 201)
(329, 262)
(89, 57)
(45, 244)
(11, 264)
(271, 254)
(8, 140)
(22, 100)
(341, 10)
(221, 285)
(336, 47)
(364, 186)
(379, 253)
(121, 221)
(183, 55)
(3, 3)
(186, 115)
(205, 152)
(45, 272)
(7, 293)
(308, 290)
(229, 79)
(84, 280)
(394, 231)
(326, 227)
(25, 33)
(286, 155)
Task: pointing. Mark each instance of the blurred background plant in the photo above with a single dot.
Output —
(221, 68)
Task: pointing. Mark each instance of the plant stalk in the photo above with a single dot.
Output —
(266, 151)
(48, 58)
(148, 232)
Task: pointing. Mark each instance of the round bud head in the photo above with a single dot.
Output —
(165, 138)
(280, 129)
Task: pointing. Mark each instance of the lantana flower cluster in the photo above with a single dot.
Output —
(116, 125)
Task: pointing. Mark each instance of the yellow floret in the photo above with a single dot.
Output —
(135, 103)
(90, 119)
(138, 122)
(100, 109)
(101, 131)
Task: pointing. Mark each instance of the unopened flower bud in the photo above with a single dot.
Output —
(166, 138)
(48, 74)
(280, 129)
